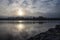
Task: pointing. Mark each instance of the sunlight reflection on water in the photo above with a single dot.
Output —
(25, 29)
(20, 27)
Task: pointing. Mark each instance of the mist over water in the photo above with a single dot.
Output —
(24, 29)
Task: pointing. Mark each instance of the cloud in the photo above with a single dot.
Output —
(46, 7)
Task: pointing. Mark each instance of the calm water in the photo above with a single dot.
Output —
(25, 29)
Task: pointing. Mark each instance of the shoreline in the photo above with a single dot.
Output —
(51, 34)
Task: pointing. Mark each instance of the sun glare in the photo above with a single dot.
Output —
(20, 12)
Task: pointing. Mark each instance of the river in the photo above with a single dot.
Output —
(24, 29)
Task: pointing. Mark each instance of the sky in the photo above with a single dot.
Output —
(46, 8)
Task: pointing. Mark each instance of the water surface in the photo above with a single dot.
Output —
(25, 29)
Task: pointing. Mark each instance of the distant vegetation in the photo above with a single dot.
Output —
(28, 18)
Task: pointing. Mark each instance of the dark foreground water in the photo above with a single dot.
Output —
(22, 30)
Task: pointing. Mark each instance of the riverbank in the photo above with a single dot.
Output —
(51, 34)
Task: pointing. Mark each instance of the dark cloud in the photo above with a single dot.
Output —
(0, 0)
(10, 2)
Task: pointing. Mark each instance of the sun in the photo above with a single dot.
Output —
(20, 12)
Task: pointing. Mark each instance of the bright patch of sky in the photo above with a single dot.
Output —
(47, 8)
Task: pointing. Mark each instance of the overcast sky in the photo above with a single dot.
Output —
(47, 8)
